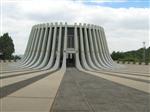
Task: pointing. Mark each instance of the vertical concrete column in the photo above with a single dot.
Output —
(65, 48)
(46, 57)
(104, 50)
(77, 61)
(33, 51)
(38, 50)
(96, 47)
(93, 57)
(87, 50)
(51, 61)
(31, 44)
(100, 52)
(106, 46)
(43, 47)
(28, 44)
(83, 59)
(57, 62)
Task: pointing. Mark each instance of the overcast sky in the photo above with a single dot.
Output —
(126, 23)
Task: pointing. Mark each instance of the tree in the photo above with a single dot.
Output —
(117, 55)
(135, 56)
(6, 46)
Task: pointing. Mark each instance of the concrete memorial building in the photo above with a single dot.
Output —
(52, 45)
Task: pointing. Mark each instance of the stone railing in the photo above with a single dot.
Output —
(6, 61)
(131, 62)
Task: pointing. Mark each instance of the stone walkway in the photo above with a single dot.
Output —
(29, 93)
(82, 92)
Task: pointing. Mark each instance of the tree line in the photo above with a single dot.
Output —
(140, 55)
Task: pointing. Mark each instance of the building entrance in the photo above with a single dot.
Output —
(70, 61)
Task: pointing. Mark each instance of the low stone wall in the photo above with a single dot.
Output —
(6, 61)
(135, 63)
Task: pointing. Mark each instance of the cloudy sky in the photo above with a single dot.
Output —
(126, 22)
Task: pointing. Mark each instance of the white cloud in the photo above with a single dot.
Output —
(126, 28)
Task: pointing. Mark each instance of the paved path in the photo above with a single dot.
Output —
(135, 68)
(140, 85)
(34, 93)
(83, 92)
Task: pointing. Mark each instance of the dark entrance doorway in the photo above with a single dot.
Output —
(71, 60)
